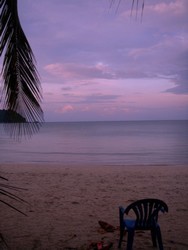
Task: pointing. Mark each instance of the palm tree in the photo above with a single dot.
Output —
(21, 84)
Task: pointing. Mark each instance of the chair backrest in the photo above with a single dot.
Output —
(146, 211)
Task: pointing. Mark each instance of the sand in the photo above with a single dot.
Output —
(66, 203)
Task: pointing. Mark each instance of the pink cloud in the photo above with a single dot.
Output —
(80, 71)
(66, 109)
(173, 7)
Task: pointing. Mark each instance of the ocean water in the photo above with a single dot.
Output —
(107, 143)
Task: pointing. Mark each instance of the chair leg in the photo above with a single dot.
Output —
(153, 236)
(130, 239)
(121, 237)
(159, 238)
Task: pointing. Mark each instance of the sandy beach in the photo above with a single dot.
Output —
(65, 204)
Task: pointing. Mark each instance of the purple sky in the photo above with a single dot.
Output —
(97, 63)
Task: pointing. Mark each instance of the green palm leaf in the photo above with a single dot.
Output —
(21, 86)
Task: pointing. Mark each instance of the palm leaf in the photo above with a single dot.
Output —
(9, 205)
(134, 2)
(21, 84)
(9, 195)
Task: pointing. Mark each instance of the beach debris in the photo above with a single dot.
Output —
(100, 246)
(106, 226)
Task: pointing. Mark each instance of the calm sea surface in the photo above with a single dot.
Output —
(112, 143)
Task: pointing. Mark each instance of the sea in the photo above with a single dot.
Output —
(100, 143)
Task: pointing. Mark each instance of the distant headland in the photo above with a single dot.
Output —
(9, 116)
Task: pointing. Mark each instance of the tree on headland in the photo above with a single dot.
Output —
(9, 116)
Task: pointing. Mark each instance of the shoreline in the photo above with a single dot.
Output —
(66, 202)
(91, 164)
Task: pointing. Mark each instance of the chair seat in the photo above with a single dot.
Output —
(129, 224)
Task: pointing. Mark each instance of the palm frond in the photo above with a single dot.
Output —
(117, 3)
(9, 205)
(4, 192)
(137, 7)
(21, 86)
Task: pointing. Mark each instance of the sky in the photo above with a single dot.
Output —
(99, 62)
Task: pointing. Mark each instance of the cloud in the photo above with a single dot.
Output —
(89, 53)
(166, 59)
(80, 71)
(101, 98)
(65, 109)
(181, 83)
(176, 7)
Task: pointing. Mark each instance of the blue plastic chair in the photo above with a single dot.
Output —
(145, 218)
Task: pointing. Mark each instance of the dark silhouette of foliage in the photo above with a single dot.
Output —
(9, 116)
(21, 85)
